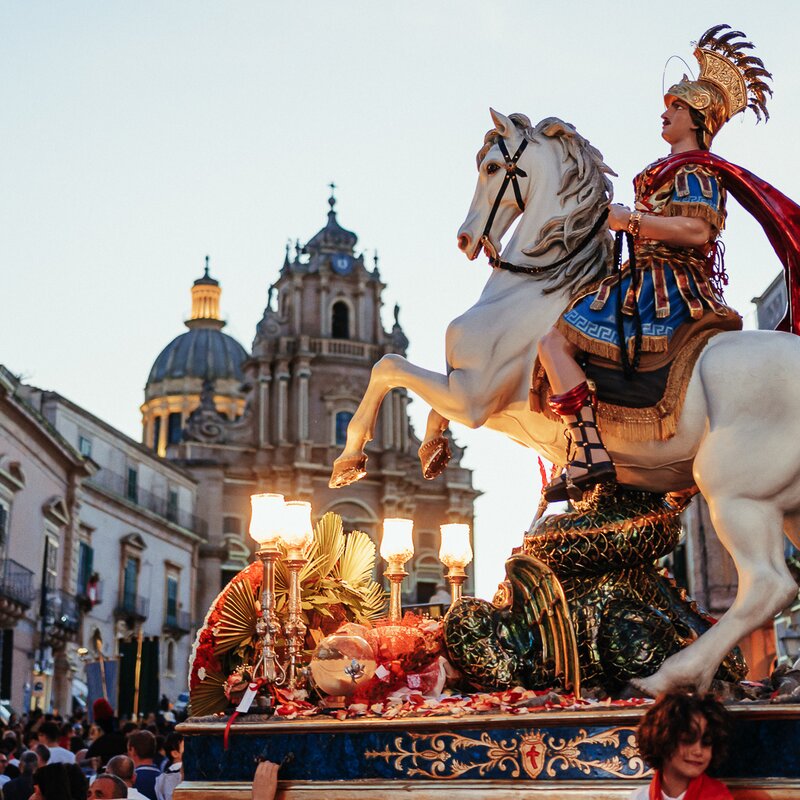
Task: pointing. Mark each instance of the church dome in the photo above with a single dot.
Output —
(201, 352)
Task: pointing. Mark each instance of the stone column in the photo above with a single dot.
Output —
(264, 381)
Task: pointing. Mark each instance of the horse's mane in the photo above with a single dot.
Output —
(586, 179)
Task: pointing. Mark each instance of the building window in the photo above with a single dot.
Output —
(170, 665)
(156, 432)
(132, 487)
(340, 320)
(172, 600)
(172, 505)
(174, 427)
(130, 584)
(3, 525)
(85, 446)
(342, 421)
(85, 567)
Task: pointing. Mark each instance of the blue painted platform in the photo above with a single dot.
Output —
(544, 754)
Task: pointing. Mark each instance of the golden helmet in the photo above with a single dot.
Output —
(730, 80)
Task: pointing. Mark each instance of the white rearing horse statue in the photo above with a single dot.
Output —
(738, 436)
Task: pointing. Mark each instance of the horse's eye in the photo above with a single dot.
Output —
(491, 169)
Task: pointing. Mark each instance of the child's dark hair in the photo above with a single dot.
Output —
(670, 721)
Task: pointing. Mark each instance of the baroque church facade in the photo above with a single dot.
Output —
(274, 419)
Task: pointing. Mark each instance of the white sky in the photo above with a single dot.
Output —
(137, 137)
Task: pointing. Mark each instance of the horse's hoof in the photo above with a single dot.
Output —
(434, 456)
(348, 470)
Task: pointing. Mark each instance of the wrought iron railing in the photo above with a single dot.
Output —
(161, 506)
(178, 620)
(16, 582)
(132, 605)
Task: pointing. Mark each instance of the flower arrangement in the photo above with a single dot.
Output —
(336, 587)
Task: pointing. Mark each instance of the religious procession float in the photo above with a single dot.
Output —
(646, 373)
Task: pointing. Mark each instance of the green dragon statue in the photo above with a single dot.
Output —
(585, 604)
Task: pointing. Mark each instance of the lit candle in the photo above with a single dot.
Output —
(266, 521)
(297, 532)
(455, 551)
(397, 543)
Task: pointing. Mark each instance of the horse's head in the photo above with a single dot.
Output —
(556, 179)
(501, 145)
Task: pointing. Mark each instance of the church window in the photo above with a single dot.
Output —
(342, 421)
(156, 432)
(85, 446)
(231, 524)
(174, 427)
(340, 320)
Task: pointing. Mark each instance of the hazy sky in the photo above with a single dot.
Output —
(139, 137)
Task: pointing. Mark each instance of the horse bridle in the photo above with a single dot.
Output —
(512, 172)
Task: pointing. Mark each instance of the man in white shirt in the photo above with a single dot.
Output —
(48, 736)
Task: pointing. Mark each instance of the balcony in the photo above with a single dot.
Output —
(360, 351)
(160, 506)
(132, 608)
(61, 616)
(177, 623)
(16, 592)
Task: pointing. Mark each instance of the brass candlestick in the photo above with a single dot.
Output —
(295, 628)
(397, 546)
(455, 553)
(268, 626)
(396, 574)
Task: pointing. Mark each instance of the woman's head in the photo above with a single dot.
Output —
(678, 720)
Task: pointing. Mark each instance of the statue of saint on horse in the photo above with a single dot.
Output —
(647, 352)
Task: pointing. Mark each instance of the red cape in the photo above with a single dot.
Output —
(777, 214)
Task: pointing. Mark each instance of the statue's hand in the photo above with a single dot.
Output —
(618, 216)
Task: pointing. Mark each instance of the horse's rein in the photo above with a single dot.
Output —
(512, 171)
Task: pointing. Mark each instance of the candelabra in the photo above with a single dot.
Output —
(297, 537)
(455, 553)
(397, 546)
(266, 525)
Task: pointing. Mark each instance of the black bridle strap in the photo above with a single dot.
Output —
(498, 264)
(512, 171)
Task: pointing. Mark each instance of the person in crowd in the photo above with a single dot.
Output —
(142, 751)
(680, 737)
(123, 768)
(43, 754)
(78, 782)
(265, 781)
(107, 787)
(441, 595)
(4, 779)
(52, 782)
(109, 742)
(172, 775)
(21, 788)
(49, 736)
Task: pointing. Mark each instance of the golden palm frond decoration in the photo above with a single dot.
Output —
(373, 604)
(208, 697)
(357, 561)
(237, 623)
(329, 543)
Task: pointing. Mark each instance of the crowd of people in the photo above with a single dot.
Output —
(47, 757)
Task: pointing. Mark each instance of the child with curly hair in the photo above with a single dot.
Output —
(680, 737)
